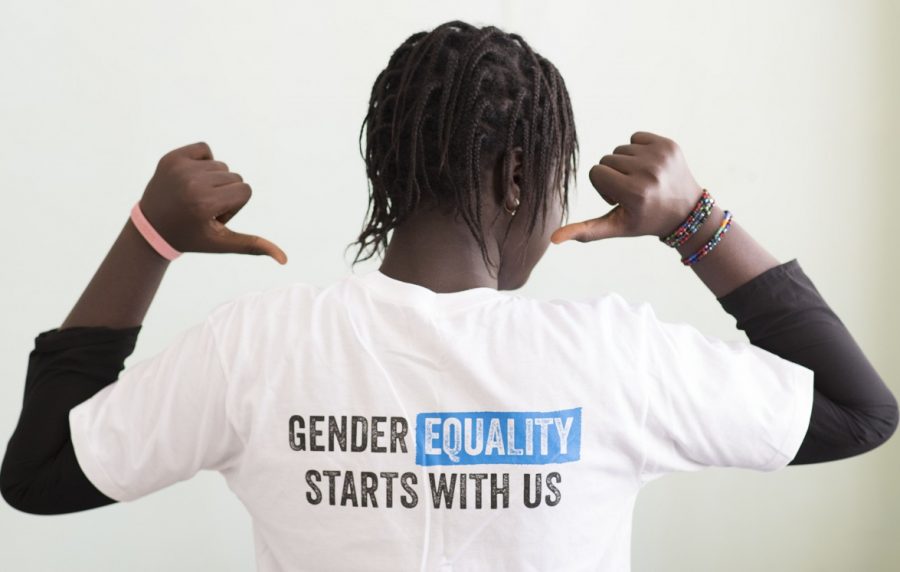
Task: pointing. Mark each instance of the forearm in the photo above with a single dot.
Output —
(781, 311)
(188, 201)
(853, 410)
(70, 364)
(39, 473)
(124, 285)
(736, 260)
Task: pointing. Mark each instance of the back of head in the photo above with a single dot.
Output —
(449, 105)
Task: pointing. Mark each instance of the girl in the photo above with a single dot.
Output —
(435, 419)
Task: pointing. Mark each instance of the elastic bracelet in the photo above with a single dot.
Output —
(715, 240)
(158, 243)
(692, 223)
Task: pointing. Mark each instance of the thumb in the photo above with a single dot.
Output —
(607, 226)
(251, 244)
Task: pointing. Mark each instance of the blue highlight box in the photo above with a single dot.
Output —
(498, 437)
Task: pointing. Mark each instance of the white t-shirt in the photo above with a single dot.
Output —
(377, 425)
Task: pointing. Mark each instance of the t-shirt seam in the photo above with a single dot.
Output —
(435, 309)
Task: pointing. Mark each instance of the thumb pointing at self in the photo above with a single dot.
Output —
(191, 197)
(649, 184)
(241, 243)
(609, 225)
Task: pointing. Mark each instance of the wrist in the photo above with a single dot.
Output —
(704, 233)
(141, 224)
(140, 248)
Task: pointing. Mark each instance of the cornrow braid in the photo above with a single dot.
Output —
(448, 101)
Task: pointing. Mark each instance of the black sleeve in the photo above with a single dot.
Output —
(40, 474)
(853, 410)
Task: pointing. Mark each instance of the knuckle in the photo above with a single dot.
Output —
(641, 195)
(176, 164)
(632, 186)
(166, 160)
(658, 152)
(193, 184)
(654, 172)
(178, 171)
(669, 148)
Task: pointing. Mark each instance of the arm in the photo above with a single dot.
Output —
(776, 304)
(188, 200)
(781, 311)
(40, 473)
(853, 411)
(733, 262)
(121, 290)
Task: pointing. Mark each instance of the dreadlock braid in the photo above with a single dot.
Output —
(448, 101)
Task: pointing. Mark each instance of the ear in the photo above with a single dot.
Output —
(511, 176)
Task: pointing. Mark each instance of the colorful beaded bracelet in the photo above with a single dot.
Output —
(692, 223)
(716, 239)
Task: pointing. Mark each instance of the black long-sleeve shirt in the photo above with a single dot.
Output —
(780, 310)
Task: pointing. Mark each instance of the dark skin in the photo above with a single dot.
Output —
(647, 182)
(188, 201)
(433, 250)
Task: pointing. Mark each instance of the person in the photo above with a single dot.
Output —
(436, 419)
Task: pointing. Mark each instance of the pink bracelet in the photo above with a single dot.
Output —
(158, 243)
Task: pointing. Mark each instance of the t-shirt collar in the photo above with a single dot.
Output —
(409, 294)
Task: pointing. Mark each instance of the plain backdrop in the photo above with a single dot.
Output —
(786, 111)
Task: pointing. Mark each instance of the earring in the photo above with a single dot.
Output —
(512, 212)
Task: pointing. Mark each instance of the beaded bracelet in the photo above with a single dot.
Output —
(692, 223)
(715, 240)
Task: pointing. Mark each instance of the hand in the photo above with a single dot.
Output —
(650, 186)
(190, 198)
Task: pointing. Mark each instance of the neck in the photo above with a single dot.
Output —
(438, 253)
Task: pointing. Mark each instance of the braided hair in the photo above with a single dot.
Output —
(449, 101)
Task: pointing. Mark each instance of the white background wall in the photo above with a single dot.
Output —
(787, 112)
